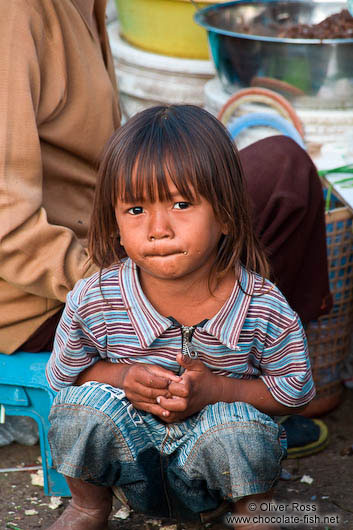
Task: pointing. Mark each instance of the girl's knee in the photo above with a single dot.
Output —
(89, 420)
(92, 398)
(256, 441)
(240, 414)
(239, 454)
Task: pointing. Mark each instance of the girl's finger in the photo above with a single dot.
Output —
(152, 408)
(179, 389)
(143, 378)
(154, 379)
(159, 371)
(190, 364)
(174, 404)
(145, 394)
(174, 417)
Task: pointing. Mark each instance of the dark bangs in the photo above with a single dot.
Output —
(170, 143)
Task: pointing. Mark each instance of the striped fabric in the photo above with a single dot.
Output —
(255, 334)
(225, 451)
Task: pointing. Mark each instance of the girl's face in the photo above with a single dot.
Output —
(170, 239)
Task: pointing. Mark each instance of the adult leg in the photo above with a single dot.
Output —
(43, 338)
(288, 208)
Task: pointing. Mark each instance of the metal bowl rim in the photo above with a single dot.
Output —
(201, 13)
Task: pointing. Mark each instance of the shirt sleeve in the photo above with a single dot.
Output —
(75, 348)
(286, 369)
(35, 256)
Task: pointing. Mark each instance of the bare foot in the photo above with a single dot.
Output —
(247, 507)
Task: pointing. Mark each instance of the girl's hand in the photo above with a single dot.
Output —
(197, 387)
(143, 383)
(200, 387)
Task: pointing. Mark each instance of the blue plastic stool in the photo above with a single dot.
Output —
(24, 391)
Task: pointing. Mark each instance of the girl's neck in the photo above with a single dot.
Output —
(188, 302)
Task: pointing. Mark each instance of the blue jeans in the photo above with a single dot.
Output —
(226, 451)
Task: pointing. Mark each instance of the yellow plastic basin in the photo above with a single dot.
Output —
(164, 26)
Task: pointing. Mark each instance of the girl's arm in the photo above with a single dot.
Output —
(103, 372)
(142, 383)
(75, 360)
(254, 392)
(200, 387)
(285, 385)
(36, 256)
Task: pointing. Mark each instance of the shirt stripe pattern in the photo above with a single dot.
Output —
(255, 334)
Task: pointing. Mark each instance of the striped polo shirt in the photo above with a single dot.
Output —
(254, 334)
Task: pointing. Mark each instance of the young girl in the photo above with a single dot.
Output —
(171, 361)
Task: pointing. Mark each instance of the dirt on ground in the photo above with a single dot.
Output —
(317, 492)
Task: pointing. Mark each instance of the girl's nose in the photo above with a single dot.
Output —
(159, 226)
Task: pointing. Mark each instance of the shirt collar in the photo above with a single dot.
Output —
(148, 324)
(227, 324)
(145, 319)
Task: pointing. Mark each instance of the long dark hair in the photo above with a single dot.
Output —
(191, 146)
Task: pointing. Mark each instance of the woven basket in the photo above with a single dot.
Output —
(329, 336)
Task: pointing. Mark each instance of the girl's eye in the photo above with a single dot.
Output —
(181, 205)
(135, 210)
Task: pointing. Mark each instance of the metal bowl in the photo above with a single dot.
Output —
(312, 73)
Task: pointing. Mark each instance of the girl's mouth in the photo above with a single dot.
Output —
(166, 254)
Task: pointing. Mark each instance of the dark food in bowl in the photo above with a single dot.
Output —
(248, 49)
(336, 26)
